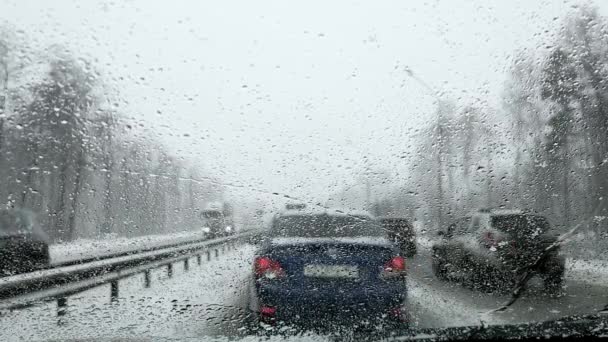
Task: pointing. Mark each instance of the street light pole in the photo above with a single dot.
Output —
(411, 74)
(441, 132)
(368, 187)
(4, 87)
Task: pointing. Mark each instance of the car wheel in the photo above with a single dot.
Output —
(553, 275)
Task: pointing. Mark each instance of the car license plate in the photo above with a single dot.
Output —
(331, 271)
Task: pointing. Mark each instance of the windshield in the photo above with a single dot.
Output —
(324, 226)
(303, 170)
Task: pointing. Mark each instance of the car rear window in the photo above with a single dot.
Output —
(521, 225)
(212, 214)
(325, 226)
(395, 222)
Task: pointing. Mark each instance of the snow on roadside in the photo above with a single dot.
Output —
(153, 313)
(445, 308)
(425, 242)
(88, 248)
(589, 271)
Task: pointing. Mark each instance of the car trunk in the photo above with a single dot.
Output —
(334, 273)
(324, 261)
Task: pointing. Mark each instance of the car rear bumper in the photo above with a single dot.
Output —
(333, 305)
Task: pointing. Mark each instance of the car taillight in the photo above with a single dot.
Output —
(267, 314)
(394, 267)
(268, 311)
(264, 267)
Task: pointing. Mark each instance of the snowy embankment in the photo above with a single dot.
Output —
(189, 305)
(89, 248)
(589, 270)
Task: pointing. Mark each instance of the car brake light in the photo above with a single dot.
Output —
(394, 267)
(267, 314)
(264, 267)
(268, 310)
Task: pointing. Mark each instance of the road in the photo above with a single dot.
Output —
(210, 301)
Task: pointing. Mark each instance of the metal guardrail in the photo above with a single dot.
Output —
(113, 254)
(58, 283)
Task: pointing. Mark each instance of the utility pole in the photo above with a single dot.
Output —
(440, 145)
(4, 87)
(368, 187)
(411, 74)
(368, 194)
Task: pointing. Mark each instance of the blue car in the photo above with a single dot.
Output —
(328, 269)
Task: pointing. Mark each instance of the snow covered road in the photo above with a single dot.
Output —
(210, 301)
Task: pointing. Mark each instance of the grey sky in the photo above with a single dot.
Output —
(287, 96)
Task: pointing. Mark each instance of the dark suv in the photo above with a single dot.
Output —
(401, 232)
(491, 248)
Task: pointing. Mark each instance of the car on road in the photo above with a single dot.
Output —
(401, 231)
(326, 269)
(218, 222)
(24, 246)
(491, 248)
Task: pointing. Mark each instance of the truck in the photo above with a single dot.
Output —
(218, 219)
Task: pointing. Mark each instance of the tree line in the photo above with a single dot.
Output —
(70, 155)
(545, 149)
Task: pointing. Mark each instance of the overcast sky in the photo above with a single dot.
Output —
(290, 97)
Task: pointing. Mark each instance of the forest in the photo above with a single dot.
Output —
(545, 149)
(71, 155)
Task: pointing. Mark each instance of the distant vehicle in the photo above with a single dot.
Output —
(489, 248)
(295, 206)
(24, 247)
(319, 269)
(217, 220)
(400, 231)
